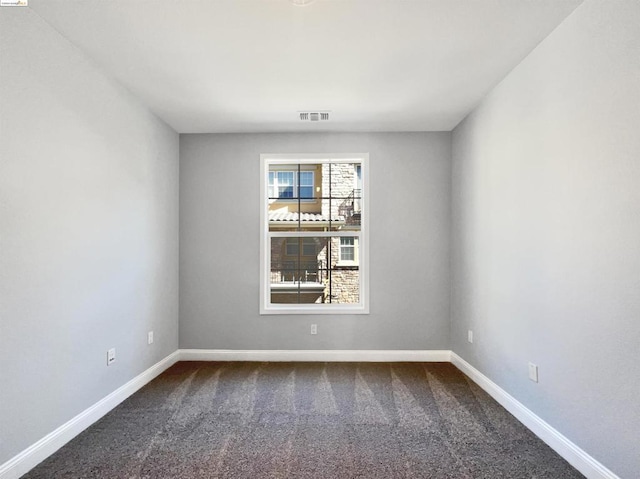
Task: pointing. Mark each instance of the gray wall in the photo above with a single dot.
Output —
(89, 232)
(409, 244)
(546, 232)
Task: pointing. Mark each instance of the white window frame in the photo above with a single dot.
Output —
(268, 161)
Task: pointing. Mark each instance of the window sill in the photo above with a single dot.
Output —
(314, 309)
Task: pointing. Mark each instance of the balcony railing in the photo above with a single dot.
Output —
(294, 272)
(351, 207)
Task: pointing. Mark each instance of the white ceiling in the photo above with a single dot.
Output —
(251, 65)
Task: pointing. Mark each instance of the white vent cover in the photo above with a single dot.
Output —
(314, 115)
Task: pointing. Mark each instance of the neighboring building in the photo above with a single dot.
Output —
(322, 197)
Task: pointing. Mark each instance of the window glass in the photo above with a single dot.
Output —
(347, 248)
(285, 184)
(306, 185)
(313, 224)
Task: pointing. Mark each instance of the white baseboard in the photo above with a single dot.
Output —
(39, 451)
(332, 355)
(575, 456)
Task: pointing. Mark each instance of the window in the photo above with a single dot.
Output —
(347, 249)
(314, 234)
(287, 185)
(306, 184)
(281, 184)
(292, 246)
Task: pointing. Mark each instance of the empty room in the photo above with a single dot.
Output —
(320, 239)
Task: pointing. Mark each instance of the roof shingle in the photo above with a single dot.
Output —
(304, 217)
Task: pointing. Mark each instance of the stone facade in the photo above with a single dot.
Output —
(345, 280)
(340, 183)
(345, 285)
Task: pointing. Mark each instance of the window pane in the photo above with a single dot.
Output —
(339, 195)
(285, 178)
(347, 254)
(306, 192)
(287, 213)
(272, 176)
(285, 184)
(345, 286)
(300, 274)
(285, 191)
(292, 266)
(306, 178)
(345, 280)
(298, 278)
(306, 185)
(291, 247)
(309, 247)
(347, 248)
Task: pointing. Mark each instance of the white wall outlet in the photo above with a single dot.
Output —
(150, 337)
(111, 356)
(470, 336)
(533, 372)
(314, 329)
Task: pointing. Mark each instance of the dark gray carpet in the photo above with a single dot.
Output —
(307, 420)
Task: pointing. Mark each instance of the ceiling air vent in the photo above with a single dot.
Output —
(314, 115)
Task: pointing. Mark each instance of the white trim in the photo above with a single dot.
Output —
(328, 355)
(312, 158)
(316, 234)
(314, 310)
(265, 306)
(293, 287)
(573, 454)
(40, 450)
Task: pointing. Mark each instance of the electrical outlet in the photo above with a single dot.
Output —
(314, 329)
(111, 356)
(533, 372)
(150, 337)
(470, 336)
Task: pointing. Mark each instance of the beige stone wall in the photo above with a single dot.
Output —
(341, 181)
(345, 287)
